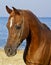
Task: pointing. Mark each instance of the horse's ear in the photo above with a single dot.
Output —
(8, 9)
(16, 11)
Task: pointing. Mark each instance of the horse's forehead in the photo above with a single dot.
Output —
(15, 20)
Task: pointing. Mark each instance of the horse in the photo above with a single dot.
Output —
(24, 24)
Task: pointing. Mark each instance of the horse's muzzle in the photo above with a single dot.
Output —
(9, 51)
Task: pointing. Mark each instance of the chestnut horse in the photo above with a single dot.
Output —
(23, 24)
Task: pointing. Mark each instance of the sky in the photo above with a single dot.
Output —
(41, 8)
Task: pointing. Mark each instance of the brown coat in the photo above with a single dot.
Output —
(37, 35)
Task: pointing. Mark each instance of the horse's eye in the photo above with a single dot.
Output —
(17, 26)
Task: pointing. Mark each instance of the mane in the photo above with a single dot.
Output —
(36, 20)
(30, 14)
(46, 26)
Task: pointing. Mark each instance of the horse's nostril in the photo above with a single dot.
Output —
(9, 50)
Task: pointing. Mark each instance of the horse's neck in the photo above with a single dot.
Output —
(33, 39)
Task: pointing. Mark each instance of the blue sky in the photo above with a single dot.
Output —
(42, 8)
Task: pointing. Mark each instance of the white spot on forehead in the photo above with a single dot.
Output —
(11, 22)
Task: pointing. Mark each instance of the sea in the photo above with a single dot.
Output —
(4, 31)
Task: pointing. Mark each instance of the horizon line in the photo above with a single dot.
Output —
(38, 17)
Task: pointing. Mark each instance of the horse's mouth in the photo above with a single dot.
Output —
(11, 54)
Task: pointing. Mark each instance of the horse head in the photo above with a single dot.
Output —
(17, 30)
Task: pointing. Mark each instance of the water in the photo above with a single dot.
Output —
(4, 31)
